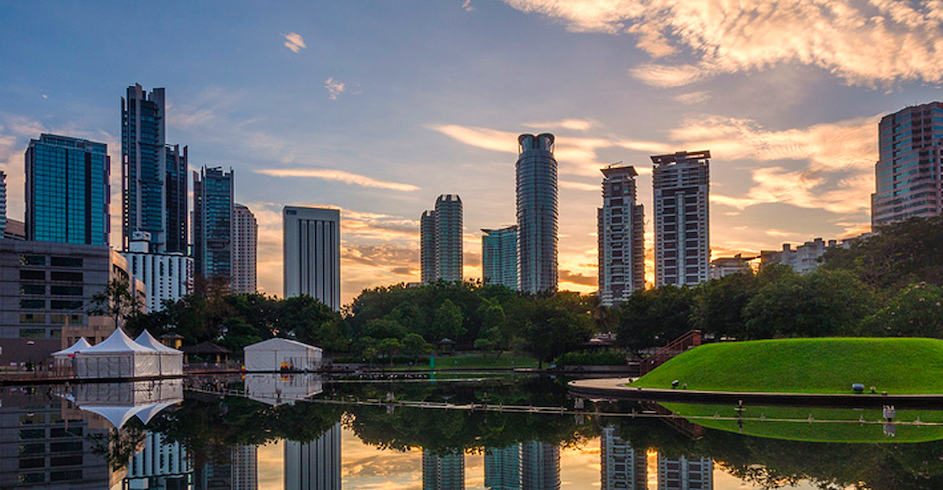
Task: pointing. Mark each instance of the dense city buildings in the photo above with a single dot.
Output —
(681, 184)
(503, 468)
(311, 252)
(499, 256)
(166, 276)
(803, 259)
(685, 473)
(154, 174)
(441, 234)
(621, 236)
(160, 463)
(443, 472)
(621, 465)
(46, 288)
(540, 466)
(68, 194)
(537, 215)
(245, 245)
(3, 203)
(15, 230)
(314, 465)
(909, 172)
(212, 224)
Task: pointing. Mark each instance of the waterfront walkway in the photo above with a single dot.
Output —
(615, 388)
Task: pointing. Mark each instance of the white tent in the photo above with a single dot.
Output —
(80, 344)
(275, 354)
(117, 357)
(119, 402)
(276, 389)
(170, 361)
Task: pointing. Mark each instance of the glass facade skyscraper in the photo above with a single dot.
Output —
(499, 256)
(212, 223)
(67, 190)
(621, 235)
(909, 173)
(681, 184)
(427, 246)
(537, 214)
(154, 174)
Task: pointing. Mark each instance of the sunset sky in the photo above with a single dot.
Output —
(378, 107)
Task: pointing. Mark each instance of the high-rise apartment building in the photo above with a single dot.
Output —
(909, 173)
(3, 203)
(621, 236)
(312, 253)
(621, 465)
(441, 240)
(682, 218)
(540, 466)
(537, 214)
(212, 223)
(67, 190)
(499, 256)
(443, 472)
(166, 276)
(154, 174)
(314, 465)
(503, 468)
(685, 473)
(245, 240)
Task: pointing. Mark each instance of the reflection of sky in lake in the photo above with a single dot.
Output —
(366, 467)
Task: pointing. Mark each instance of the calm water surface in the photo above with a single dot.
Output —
(412, 432)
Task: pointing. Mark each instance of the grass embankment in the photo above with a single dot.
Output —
(828, 365)
(792, 423)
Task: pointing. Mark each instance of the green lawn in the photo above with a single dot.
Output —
(798, 428)
(826, 365)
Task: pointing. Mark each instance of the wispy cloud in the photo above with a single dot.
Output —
(334, 88)
(294, 42)
(840, 36)
(338, 176)
(580, 186)
(693, 97)
(573, 124)
(467, 6)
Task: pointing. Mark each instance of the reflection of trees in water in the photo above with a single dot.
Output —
(117, 446)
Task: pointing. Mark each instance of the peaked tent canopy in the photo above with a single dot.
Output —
(117, 357)
(170, 360)
(80, 344)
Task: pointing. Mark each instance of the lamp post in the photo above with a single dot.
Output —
(29, 356)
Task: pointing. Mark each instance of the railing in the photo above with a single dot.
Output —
(673, 348)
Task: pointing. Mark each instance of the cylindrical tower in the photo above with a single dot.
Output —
(537, 212)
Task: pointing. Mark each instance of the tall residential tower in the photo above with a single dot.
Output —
(499, 256)
(909, 173)
(682, 218)
(441, 240)
(312, 250)
(621, 235)
(245, 240)
(537, 212)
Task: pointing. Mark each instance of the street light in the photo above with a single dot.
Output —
(29, 355)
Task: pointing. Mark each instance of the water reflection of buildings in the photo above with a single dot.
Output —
(622, 466)
(161, 464)
(314, 465)
(685, 473)
(446, 472)
(503, 468)
(540, 466)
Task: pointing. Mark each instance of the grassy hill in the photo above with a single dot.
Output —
(822, 365)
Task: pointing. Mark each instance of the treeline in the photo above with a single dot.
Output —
(886, 285)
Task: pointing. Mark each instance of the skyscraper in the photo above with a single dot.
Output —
(683, 473)
(245, 236)
(312, 253)
(67, 190)
(682, 218)
(503, 468)
(537, 212)
(499, 256)
(212, 223)
(909, 173)
(153, 174)
(621, 465)
(427, 246)
(540, 466)
(621, 235)
(314, 465)
(443, 472)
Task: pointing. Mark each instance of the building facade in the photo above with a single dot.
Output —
(154, 174)
(68, 193)
(540, 466)
(245, 244)
(311, 253)
(621, 465)
(503, 468)
(724, 266)
(499, 256)
(441, 234)
(314, 465)
(681, 183)
(160, 463)
(909, 172)
(803, 259)
(685, 473)
(443, 472)
(46, 286)
(621, 235)
(166, 276)
(3, 204)
(212, 223)
(537, 215)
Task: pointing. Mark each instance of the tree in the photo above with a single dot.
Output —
(556, 326)
(303, 318)
(915, 311)
(654, 317)
(447, 322)
(116, 300)
(415, 346)
(719, 303)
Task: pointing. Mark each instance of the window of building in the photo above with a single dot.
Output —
(32, 333)
(63, 304)
(66, 276)
(33, 275)
(32, 260)
(66, 261)
(32, 433)
(56, 476)
(31, 478)
(32, 304)
(32, 318)
(66, 290)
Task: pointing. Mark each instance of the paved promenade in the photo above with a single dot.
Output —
(614, 388)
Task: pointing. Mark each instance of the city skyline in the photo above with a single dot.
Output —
(444, 92)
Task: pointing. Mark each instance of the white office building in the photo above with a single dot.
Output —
(166, 276)
(312, 249)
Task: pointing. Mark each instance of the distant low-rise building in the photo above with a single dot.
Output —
(723, 266)
(803, 259)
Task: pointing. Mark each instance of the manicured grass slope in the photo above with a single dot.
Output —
(829, 365)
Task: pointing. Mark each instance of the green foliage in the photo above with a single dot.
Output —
(720, 302)
(592, 358)
(117, 300)
(915, 311)
(654, 317)
(827, 365)
(447, 323)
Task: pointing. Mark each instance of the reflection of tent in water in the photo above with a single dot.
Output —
(117, 357)
(276, 389)
(119, 402)
(170, 361)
